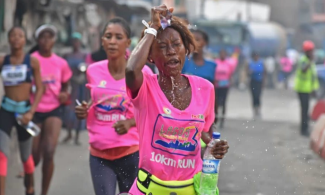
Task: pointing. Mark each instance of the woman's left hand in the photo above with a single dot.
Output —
(26, 118)
(63, 97)
(123, 126)
(220, 149)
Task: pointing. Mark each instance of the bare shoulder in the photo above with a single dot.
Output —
(34, 62)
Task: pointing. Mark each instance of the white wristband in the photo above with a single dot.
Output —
(151, 31)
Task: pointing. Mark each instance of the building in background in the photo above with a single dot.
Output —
(85, 16)
(303, 19)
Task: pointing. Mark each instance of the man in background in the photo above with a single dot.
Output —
(306, 83)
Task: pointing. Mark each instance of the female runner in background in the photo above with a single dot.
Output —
(113, 137)
(223, 74)
(55, 74)
(197, 64)
(257, 73)
(17, 72)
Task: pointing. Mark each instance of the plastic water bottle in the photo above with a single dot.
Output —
(31, 127)
(210, 170)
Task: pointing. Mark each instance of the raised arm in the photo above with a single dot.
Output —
(138, 58)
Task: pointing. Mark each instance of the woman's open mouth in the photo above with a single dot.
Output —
(111, 50)
(172, 63)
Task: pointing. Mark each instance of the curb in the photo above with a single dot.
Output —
(318, 110)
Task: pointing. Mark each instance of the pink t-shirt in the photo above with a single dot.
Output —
(170, 138)
(54, 71)
(234, 62)
(110, 104)
(286, 64)
(224, 70)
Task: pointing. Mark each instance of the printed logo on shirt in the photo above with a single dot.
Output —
(181, 139)
(48, 79)
(167, 112)
(221, 73)
(111, 108)
(199, 116)
(115, 102)
(102, 84)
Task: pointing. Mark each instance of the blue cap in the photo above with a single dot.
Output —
(216, 135)
(76, 35)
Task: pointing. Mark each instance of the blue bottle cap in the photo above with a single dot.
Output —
(216, 135)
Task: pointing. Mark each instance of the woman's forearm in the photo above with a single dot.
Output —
(132, 121)
(40, 88)
(136, 62)
(206, 137)
(65, 87)
(38, 95)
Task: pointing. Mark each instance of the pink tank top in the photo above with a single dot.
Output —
(170, 145)
(110, 104)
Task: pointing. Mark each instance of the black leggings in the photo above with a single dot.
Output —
(7, 122)
(256, 90)
(105, 173)
(221, 97)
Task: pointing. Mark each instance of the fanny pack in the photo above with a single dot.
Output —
(148, 183)
(15, 107)
(223, 83)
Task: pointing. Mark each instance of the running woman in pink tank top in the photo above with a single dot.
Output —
(172, 111)
(224, 71)
(113, 136)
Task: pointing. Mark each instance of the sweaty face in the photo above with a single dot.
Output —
(200, 42)
(46, 41)
(17, 38)
(115, 41)
(168, 52)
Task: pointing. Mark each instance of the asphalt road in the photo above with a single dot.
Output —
(266, 157)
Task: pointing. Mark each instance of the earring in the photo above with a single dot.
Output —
(127, 55)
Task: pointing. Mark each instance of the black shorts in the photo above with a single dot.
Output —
(40, 117)
(7, 122)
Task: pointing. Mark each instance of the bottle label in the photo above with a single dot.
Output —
(211, 166)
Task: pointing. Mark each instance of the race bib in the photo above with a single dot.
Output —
(13, 75)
